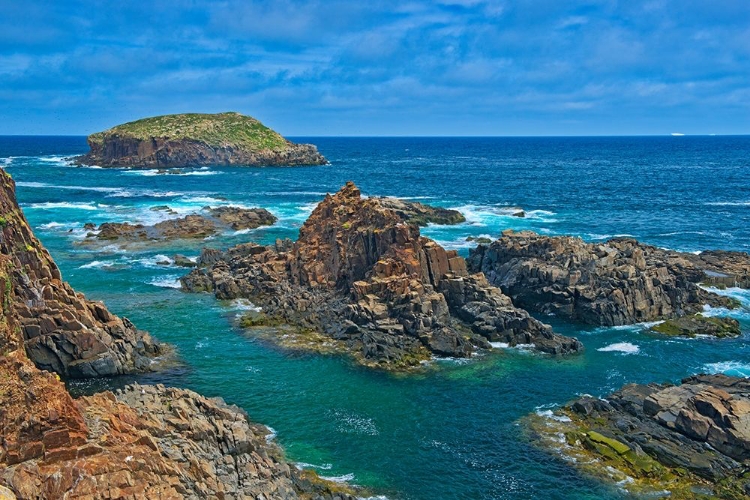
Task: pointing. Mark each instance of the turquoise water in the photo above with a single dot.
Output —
(451, 432)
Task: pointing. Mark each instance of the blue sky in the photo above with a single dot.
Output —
(330, 67)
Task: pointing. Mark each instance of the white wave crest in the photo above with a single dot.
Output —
(732, 368)
(623, 347)
(166, 282)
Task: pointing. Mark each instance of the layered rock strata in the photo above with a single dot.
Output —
(140, 443)
(619, 282)
(421, 214)
(61, 330)
(363, 277)
(687, 441)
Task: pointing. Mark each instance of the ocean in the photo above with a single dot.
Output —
(452, 432)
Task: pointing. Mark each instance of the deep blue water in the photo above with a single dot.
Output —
(451, 432)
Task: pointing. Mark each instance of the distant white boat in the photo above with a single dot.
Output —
(677, 134)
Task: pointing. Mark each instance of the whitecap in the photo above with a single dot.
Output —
(345, 478)
(157, 261)
(305, 465)
(623, 347)
(732, 368)
(97, 264)
(65, 205)
(500, 345)
(271, 434)
(58, 225)
(740, 294)
(728, 203)
(115, 191)
(551, 415)
(244, 305)
(166, 282)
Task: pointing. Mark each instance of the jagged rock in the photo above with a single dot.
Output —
(188, 227)
(420, 214)
(618, 282)
(182, 261)
(141, 443)
(690, 326)
(365, 278)
(240, 218)
(194, 139)
(664, 437)
(63, 331)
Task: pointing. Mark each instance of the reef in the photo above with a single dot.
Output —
(189, 227)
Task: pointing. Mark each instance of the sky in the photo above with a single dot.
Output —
(409, 67)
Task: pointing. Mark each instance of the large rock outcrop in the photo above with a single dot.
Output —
(142, 442)
(62, 331)
(210, 222)
(362, 276)
(689, 440)
(619, 282)
(194, 139)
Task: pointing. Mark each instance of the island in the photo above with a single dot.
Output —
(195, 139)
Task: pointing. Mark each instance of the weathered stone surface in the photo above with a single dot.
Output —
(618, 282)
(142, 443)
(363, 277)
(421, 214)
(62, 330)
(189, 227)
(671, 438)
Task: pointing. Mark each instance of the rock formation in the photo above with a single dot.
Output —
(618, 282)
(366, 279)
(188, 227)
(689, 440)
(193, 139)
(61, 330)
(141, 443)
(421, 214)
(697, 324)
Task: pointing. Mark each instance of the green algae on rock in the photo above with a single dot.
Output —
(685, 441)
(690, 326)
(194, 139)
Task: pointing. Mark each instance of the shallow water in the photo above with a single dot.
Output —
(451, 432)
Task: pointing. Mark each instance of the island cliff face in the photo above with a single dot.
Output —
(365, 278)
(143, 442)
(194, 139)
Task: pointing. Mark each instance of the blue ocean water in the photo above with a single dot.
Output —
(451, 432)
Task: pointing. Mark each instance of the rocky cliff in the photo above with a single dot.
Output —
(366, 279)
(621, 281)
(685, 441)
(140, 443)
(194, 139)
(60, 329)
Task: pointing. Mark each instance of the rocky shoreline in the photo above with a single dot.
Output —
(619, 282)
(683, 441)
(142, 442)
(362, 276)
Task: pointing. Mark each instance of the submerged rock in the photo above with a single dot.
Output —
(690, 326)
(619, 282)
(683, 439)
(195, 139)
(371, 283)
(60, 329)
